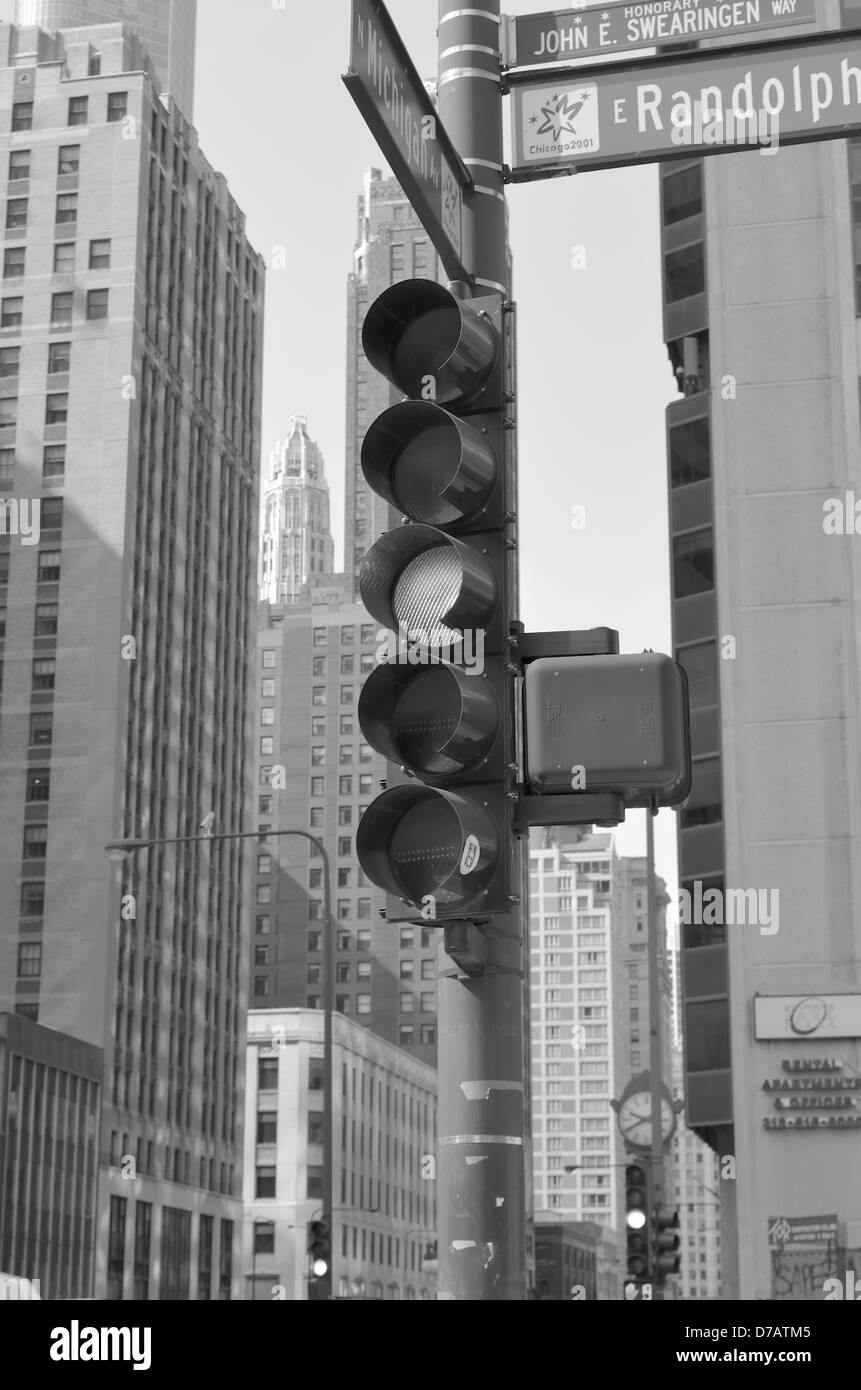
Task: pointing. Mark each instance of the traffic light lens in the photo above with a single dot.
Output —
(319, 1268)
(427, 587)
(426, 847)
(636, 1219)
(425, 345)
(423, 470)
(426, 717)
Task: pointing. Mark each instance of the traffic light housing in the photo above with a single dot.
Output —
(440, 706)
(666, 1242)
(637, 1223)
(320, 1254)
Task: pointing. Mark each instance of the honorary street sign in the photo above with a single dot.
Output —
(705, 102)
(391, 96)
(560, 35)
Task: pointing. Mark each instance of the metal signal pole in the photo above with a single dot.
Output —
(482, 1044)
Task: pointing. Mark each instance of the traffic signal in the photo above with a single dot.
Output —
(320, 1252)
(636, 1223)
(666, 1241)
(439, 705)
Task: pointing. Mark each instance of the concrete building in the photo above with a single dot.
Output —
(166, 29)
(631, 904)
(316, 772)
(696, 1184)
(50, 1088)
(566, 1261)
(130, 334)
(761, 272)
(296, 539)
(579, 1035)
(384, 1166)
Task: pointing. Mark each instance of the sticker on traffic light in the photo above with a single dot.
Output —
(440, 707)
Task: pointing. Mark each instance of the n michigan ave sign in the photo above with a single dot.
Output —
(704, 102)
(560, 35)
(391, 96)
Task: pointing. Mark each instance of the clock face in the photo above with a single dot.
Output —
(635, 1119)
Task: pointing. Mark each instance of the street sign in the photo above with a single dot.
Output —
(559, 35)
(391, 96)
(704, 102)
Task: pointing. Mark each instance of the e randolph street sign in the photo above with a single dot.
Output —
(560, 35)
(704, 102)
(386, 87)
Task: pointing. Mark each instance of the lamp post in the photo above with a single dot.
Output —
(120, 849)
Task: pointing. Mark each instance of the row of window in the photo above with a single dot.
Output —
(367, 633)
(78, 111)
(47, 572)
(53, 468)
(56, 410)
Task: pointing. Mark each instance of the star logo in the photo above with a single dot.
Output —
(559, 114)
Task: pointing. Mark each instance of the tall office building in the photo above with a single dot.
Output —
(695, 1186)
(391, 245)
(579, 1036)
(296, 540)
(383, 1165)
(631, 904)
(130, 357)
(166, 29)
(761, 321)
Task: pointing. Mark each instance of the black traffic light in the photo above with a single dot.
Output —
(439, 706)
(666, 1256)
(636, 1223)
(320, 1254)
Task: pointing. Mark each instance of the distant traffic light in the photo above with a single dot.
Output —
(666, 1257)
(636, 1223)
(320, 1252)
(440, 705)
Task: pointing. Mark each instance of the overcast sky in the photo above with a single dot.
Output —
(594, 377)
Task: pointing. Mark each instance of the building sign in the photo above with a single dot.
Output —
(813, 1084)
(777, 1016)
(711, 101)
(390, 94)
(560, 35)
(803, 1255)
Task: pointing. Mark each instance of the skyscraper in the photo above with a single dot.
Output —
(166, 29)
(130, 364)
(296, 540)
(761, 271)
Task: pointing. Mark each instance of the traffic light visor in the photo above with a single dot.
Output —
(417, 842)
(429, 464)
(435, 720)
(429, 344)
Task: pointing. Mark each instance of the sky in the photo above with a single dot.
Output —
(274, 117)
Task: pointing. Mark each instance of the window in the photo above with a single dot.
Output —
(343, 941)
(64, 258)
(363, 939)
(364, 909)
(346, 726)
(684, 273)
(315, 941)
(347, 662)
(59, 358)
(428, 970)
(344, 878)
(342, 1003)
(406, 969)
(264, 894)
(35, 841)
(406, 938)
(406, 1002)
(264, 1231)
(43, 673)
(428, 1034)
(318, 723)
(690, 452)
(346, 690)
(318, 756)
(368, 633)
(342, 972)
(38, 784)
(11, 313)
(267, 747)
(61, 310)
(67, 208)
(318, 666)
(345, 843)
(13, 263)
(682, 194)
(406, 1035)
(57, 409)
(9, 361)
(16, 213)
(97, 304)
(319, 637)
(345, 815)
(363, 970)
(30, 960)
(704, 806)
(693, 563)
(262, 924)
(41, 730)
(363, 1003)
(267, 658)
(48, 571)
(22, 115)
(317, 816)
(78, 110)
(365, 782)
(19, 165)
(700, 663)
(32, 899)
(264, 863)
(265, 1181)
(261, 986)
(267, 715)
(343, 908)
(118, 103)
(69, 159)
(8, 412)
(318, 786)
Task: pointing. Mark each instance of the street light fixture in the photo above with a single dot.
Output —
(118, 850)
